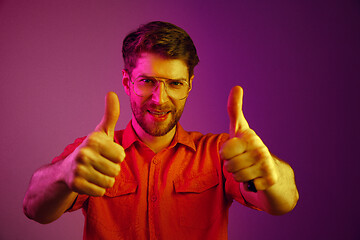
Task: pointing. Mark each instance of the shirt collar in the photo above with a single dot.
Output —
(129, 136)
(181, 136)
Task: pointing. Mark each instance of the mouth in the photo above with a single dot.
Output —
(159, 115)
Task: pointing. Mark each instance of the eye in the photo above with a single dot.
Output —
(146, 81)
(176, 83)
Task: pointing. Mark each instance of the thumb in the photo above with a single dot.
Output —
(111, 115)
(238, 123)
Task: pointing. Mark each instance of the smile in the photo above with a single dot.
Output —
(158, 113)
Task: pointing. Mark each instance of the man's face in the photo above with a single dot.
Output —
(158, 112)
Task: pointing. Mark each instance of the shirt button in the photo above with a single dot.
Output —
(153, 198)
(155, 161)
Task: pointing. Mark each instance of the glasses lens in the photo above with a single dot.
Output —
(144, 87)
(177, 88)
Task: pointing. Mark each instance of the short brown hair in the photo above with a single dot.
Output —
(162, 38)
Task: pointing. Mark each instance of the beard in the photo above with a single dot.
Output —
(154, 128)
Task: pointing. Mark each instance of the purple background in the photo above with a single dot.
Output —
(298, 62)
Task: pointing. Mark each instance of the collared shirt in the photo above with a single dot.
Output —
(182, 192)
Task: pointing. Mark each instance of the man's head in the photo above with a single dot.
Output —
(162, 38)
(159, 58)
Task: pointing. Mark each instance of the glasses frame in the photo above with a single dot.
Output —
(158, 84)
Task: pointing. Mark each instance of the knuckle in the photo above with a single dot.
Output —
(266, 168)
(260, 153)
(223, 151)
(270, 174)
(82, 153)
(87, 156)
(231, 147)
(94, 139)
(77, 184)
(78, 171)
(252, 140)
(271, 179)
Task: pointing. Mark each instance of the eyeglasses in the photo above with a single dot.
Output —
(175, 88)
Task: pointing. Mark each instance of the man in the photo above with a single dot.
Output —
(154, 180)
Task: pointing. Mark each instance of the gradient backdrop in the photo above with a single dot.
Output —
(298, 62)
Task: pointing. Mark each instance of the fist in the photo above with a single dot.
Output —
(245, 155)
(93, 166)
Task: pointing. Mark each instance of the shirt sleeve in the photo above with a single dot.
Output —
(233, 190)
(80, 199)
(232, 187)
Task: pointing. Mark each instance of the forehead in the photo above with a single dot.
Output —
(154, 65)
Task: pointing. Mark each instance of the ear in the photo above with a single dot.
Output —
(190, 82)
(126, 81)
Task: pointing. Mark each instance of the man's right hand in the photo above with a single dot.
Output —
(93, 166)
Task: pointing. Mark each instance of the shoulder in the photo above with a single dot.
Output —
(69, 149)
(209, 138)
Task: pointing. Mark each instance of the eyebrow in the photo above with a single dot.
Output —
(152, 77)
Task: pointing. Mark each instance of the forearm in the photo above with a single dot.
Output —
(47, 197)
(281, 197)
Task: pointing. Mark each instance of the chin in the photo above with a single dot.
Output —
(158, 131)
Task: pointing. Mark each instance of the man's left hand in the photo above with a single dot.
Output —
(245, 155)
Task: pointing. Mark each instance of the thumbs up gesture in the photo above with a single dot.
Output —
(93, 166)
(245, 155)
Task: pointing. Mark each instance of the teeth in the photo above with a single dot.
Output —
(158, 113)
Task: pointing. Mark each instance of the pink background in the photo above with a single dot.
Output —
(298, 62)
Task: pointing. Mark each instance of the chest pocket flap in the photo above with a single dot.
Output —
(122, 187)
(197, 184)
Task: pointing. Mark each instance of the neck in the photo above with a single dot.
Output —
(155, 143)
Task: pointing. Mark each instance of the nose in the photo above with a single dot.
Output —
(159, 94)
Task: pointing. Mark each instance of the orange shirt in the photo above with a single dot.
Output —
(182, 192)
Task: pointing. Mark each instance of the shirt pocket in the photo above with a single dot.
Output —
(115, 210)
(122, 187)
(196, 199)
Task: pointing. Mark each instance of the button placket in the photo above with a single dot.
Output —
(153, 196)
